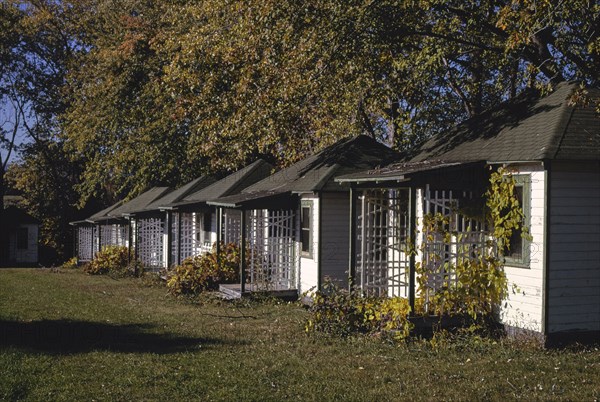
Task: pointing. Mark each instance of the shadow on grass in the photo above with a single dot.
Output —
(72, 337)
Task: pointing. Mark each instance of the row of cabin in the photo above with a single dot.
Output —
(353, 211)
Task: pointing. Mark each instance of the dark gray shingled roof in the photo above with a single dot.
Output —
(139, 203)
(398, 171)
(180, 193)
(527, 128)
(317, 172)
(103, 215)
(232, 184)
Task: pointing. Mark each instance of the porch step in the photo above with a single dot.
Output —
(225, 296)
(231, 291)
(234, 291)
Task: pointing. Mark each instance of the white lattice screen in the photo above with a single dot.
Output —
(382, 259)
(469, 239)
(150, 242)
(271, 246)
(85, 242)
(188, 235)
(95, 240)
(231, 224)
(175, 216)
(114, 235)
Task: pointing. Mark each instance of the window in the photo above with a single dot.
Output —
(22, 238)
(206, 225)
(306, 229)
(197, 226)
(517, 254)
(203, 226)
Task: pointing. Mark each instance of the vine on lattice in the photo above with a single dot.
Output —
(479, 282)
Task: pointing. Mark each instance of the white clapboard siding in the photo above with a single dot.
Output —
(524, 308)
(308, 275)
(574, 255)
(335, 218)
(26, 255)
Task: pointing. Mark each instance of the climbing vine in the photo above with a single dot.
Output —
(504, 211)
(480, 283)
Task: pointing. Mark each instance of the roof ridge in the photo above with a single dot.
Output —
(561, 127)
(194, 187)
(250, 169)
(330, 172)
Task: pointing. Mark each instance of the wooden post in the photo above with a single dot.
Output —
(219, 211)
(129, 241)
(352, 245)
(99, 240)
(412, 232)
(243, 253)
(179, 237)
(363, 242)
(169, 228)
(135, 238)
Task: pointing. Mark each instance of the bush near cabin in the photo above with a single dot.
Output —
(205, 272)
(481, 283)
(340, 312)
(113, 259)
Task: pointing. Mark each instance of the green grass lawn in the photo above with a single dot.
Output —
(68, 336)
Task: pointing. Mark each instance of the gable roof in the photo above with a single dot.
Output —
(138, 203)
(526, 128)
(317, 172)
(229, 185)
(14, 216)
(180, 193)
(103, 214)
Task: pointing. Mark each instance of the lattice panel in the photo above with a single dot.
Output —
(469, 239)
(150, 242)
(175, 237)
(382, 231)
(231, 224)
(193, 240)
(95, 240)
(85, 242)
(114, 235)
(271, 238)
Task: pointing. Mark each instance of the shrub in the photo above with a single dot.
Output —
(340, 312)
(205, 272)
(111, 259)
(70, 263)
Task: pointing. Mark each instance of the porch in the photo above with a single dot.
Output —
(268, 241)
(409, 232)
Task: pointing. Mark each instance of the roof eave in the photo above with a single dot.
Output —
(400, 178)
(217, 203)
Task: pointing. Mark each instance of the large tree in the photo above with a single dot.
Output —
(36, 48)
(159, 92)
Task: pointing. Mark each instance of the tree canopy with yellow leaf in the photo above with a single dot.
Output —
(160, 92)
